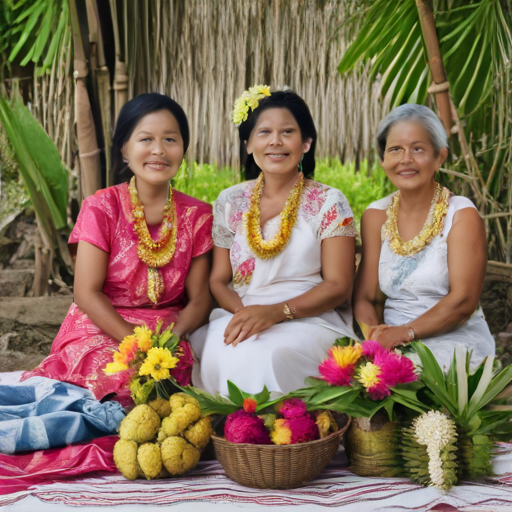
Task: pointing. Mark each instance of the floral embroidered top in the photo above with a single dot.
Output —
(323, 213)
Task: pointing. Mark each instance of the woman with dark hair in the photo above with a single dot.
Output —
(424, 249)
(142, 251)
(283, 259)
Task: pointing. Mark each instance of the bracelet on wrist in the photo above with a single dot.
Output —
(412, 334)
(289, 312)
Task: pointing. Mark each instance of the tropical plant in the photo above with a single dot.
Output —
(33, 31)
(472, 400)
(44, 174)
(475, 43)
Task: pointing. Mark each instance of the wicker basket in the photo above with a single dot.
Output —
(277, 467)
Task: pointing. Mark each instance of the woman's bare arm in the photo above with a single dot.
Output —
(196, 312)
(221, 276)
(367, 300)
(90, 272)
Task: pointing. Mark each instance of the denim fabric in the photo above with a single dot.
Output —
(42, 413)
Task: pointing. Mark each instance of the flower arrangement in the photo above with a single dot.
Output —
(361, 378)
(249, 100)
(255, 419)
(447, 424)
(154, 359)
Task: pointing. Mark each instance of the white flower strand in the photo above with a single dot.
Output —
(435, 430)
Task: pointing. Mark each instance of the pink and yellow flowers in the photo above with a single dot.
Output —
(368, 365)
(295, 424)
(337, 369)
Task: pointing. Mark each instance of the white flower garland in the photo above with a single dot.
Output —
(435, 430)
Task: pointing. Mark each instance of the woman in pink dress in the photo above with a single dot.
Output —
(122, 279)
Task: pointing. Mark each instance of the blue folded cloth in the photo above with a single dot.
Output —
(42, 413)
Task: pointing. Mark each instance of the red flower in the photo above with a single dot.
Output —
(182, 372)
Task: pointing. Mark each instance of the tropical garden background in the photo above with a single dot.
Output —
(68, 66)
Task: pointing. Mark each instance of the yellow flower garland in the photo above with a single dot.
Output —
(266, 249)
(433, 225)
(154, 253)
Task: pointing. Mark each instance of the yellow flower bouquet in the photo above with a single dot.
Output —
(155, 358)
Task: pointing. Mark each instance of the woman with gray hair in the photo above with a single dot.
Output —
(424, 250)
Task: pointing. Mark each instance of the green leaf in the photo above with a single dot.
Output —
(461, 376)
(236, 395)
(433, 378)
(483, 384)
(333, 393)
(39, 163)
(388, 405)
(140, 392)
(263, 396)
(27, 31)
(497, 384)
(316, 383)
(208, 403)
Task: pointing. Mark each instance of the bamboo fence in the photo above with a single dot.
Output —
(204, 54)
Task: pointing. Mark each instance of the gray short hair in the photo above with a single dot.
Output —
(413, 112)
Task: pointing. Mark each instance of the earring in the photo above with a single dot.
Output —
(300, 163)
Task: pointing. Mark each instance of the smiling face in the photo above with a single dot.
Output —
(276, 142)
(154, 150)
(410, 160)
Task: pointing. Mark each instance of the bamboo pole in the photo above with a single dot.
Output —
(440, 87)
(120, 85)
(103, 84)
(90, 165)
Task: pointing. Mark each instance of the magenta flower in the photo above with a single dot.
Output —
(371, 348)
(334, 374)
(182, 372)
(292, 408)
(395, 369)
(243, 427)
(303, 429)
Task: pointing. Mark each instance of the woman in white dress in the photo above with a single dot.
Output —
(424, 250)
(283, 262)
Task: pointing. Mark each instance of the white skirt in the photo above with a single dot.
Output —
(279, 358)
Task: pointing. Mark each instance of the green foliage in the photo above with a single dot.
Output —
(475, 42)
(13, 195)
(359, 187)
(206, 181)
(38, 161)
(33, 31)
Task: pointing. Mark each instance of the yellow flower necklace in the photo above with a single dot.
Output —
(154, 253)
(432, 227)
(266, 249)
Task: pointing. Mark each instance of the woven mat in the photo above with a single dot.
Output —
(336, 487)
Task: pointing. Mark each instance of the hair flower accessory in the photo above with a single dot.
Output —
(249, 99)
